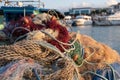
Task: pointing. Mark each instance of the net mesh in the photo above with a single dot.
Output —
(36, 59)
(47, 62)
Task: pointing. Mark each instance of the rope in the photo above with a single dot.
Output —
(60, 41)
(113, 71)
(20, 37)
(11, 35)
(102, 77)
(52, 13)
(51, 47)
(68, 50)
(36, 74)
(94, 74)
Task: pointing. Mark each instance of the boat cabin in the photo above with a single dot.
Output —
(83, 17)
(14, 13)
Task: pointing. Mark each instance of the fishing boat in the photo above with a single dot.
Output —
(109, 20)
(11, 14)
(14, 10)
(82, 20)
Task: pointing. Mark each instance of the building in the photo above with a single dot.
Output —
(80, 11)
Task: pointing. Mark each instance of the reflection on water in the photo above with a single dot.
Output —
(109, 35)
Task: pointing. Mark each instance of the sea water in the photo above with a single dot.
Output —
(109, 35)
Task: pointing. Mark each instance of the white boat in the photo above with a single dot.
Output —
(68, 19)
(82, 20)
(113, 19)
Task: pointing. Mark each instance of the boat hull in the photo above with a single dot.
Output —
(109, 20)
(107, 23)
(81, 22)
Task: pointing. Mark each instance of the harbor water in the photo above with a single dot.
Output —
(109, 35)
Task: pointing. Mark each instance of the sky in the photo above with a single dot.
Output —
(67, 4)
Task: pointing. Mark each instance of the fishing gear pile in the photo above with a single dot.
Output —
(41, 48)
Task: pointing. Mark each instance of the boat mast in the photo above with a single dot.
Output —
(39, 3)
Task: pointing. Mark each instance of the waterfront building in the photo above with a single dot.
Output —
(80, 11)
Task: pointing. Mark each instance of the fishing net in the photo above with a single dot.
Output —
(27, 69)
(50, 54)
(19, 70)
(53, 64)
(37, 59)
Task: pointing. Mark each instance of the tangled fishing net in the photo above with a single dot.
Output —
(43, 49)
(51, 62)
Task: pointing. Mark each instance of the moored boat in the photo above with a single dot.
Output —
(11, 15)
(19, 9)
(109, 20)
(82, 20)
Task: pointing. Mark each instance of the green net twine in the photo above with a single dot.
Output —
(77, 53)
